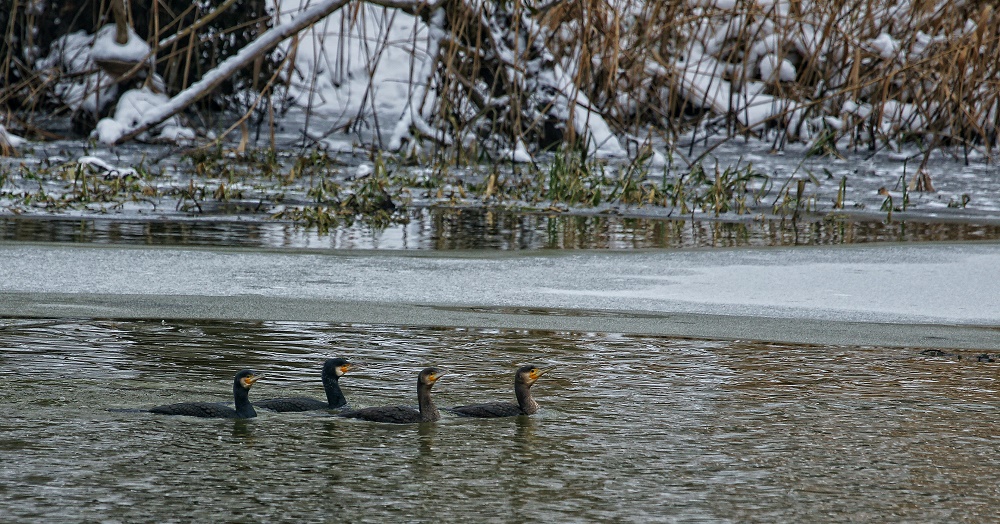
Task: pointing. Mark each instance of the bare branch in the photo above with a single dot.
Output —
(267, 40)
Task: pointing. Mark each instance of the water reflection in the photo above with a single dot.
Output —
(631, 429)
(442, 229)
(242, 428)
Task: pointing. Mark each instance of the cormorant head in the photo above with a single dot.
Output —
(528, 374)
(336, 367)
(429, 376)
(246, 378)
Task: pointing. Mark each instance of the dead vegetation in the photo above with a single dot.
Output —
(537, 76)
(865, 74)
(188, 40)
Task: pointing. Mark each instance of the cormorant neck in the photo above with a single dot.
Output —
(524, 400)
(243, 406)
(334, 396)
(428, 411)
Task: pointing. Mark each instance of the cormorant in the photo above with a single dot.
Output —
(405, 414)
(241, 388)
(333, 369)
(524, 377)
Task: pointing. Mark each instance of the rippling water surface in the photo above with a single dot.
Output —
(633, 429)
(460, 229)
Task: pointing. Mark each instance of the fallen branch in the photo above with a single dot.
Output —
(208, 83)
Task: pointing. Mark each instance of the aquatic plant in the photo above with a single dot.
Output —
(371, 197)
(841, 194)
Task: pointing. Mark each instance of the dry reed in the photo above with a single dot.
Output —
(866, 74)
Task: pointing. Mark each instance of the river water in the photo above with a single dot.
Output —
(632, 428)
(462, 229)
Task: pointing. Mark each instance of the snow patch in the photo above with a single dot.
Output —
(129, 114)
(355, 65)
(774, 69)
(106, 168)
(885, 45)
(9, 140)
(78, 82)
(106, 48)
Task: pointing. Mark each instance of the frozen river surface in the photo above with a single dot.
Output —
(928, 295)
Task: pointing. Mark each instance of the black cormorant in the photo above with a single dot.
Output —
(524, 377)
(241, 387)
(405, 414)
(333, 369)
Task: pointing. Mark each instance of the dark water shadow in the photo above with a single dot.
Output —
(459, 229)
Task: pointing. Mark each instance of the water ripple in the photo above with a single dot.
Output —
(633, 429)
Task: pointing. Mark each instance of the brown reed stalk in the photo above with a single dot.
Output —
(630, 59)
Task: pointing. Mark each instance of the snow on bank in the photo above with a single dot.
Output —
(78, 82)
(363, 66)
(371, 71)
(130, 112)
(785, 38)
(108, 170)
(372, 68)
(84, 86)
(356, 65)
(105, 48)
(9, 141)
